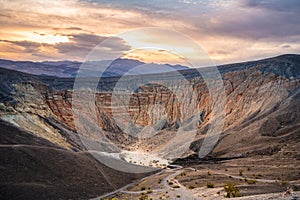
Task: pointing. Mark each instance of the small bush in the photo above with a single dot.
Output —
(159, 181)
(231, 191)
(143, 188)
(182, 174)
(176, 186)
(178, 196)
(191, 187)
(241, 173)
(210, 185)
(284, 182)
(250, 181)
(257, 176)
(208, 173)
(144, 197)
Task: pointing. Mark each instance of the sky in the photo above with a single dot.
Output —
(228, 31)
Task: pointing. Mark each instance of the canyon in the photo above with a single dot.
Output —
(259, 121)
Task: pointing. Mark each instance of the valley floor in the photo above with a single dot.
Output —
(256, 178)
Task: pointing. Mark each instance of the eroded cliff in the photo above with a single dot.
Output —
(255, 91)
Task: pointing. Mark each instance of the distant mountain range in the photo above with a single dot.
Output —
(70, 68)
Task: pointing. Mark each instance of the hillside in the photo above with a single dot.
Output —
(34, 168)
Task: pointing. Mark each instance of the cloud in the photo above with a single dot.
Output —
(79, 46)
(74, 28)
(275, 5)
(29, 47)
(254, 19)
(229, 30)
(88, 40)
(26, 50)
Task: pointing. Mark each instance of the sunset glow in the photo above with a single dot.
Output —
(156, 56)
(228, 31)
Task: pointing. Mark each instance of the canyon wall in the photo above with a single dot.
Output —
(254, 92)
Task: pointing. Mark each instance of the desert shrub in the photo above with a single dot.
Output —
(257, 176)
(144, 197)
(178, 196)
(241, 173)
(114, 198)
(250, 181)
(284, 182)
(143, 188)
(208, 173)
(182, 174)
(149, 191)
(231, 191)
(159, 181)
(210, 185)
(191, 187)
(176, 186)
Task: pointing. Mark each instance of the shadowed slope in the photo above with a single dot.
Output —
(33, 168)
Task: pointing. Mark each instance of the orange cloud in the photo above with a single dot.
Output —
(156, 56)
(225, 30)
